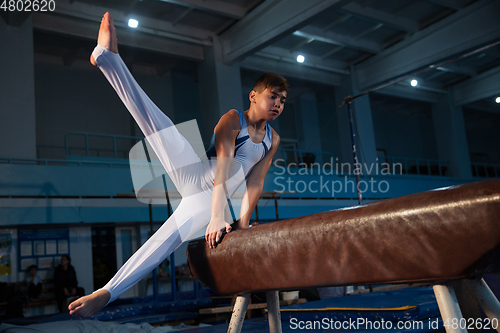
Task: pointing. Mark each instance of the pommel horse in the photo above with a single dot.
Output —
(430, 237)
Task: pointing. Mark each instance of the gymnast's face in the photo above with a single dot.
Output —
(269, 102)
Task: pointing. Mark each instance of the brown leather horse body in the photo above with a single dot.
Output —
(431, 236)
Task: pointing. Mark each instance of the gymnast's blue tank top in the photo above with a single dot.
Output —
(246, 151)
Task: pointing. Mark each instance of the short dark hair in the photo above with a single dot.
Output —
(32, 266)
(270, 80)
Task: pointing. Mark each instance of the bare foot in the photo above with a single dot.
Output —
(88, 305)
(107, 36)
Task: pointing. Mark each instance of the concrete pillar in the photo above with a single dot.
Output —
(17, 91)
(220, 88)
(327, 117)
(307, 123)
(451, 137)
(362, 114)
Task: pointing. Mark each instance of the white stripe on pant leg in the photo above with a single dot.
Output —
(191, 215)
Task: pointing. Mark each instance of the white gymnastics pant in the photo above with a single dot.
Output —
(179, 160)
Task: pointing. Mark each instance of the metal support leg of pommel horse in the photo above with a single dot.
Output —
(239, 312)
(486, 299)
(273, 311)
(240, 308)
(450, 310)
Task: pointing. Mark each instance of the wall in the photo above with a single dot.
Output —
(79, 99)
(483, 136)
(327, 116)
(186, 99)
(74, 99)
(17, 95)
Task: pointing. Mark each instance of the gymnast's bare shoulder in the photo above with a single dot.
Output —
(229, 121)
(275, 141)
(226, 131)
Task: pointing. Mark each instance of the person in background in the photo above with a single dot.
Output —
(65, 282)
(34, 282)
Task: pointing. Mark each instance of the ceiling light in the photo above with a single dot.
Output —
(497, 99)
(300, 58)
(133, 23)
(413, 83)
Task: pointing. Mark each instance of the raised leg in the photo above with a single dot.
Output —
(273, 308)
(448, 306)
(239, 312)
(172, 149)
(485, 297)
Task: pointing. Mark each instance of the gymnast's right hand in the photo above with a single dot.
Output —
(214, 232)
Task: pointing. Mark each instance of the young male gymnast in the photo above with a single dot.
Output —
(240, 138)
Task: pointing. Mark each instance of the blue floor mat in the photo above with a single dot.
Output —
(409, 310)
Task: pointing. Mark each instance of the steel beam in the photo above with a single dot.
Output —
(260, 64)
(374, 27)
(213, 6)
(270, 21)
(282, 54)
(453, 4)
(379, 16)
(15, 18)
(484, 105)
(333, 23)
(479, 87)
(409, 92)
(147, 25)
(88, 30)
(462, 70)
(467, 29)
(338, 39)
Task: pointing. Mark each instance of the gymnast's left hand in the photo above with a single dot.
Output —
(214, 231)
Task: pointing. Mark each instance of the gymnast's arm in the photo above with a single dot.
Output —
(226, 132)
(255, 183)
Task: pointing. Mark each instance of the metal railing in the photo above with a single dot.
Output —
(56, 162)
(486, 170)
(114, 140)
(298, 157)
(416, 166)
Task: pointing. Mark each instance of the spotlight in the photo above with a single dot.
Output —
(497, 99)
(413, 83)
(300, 58)
(133, 23)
